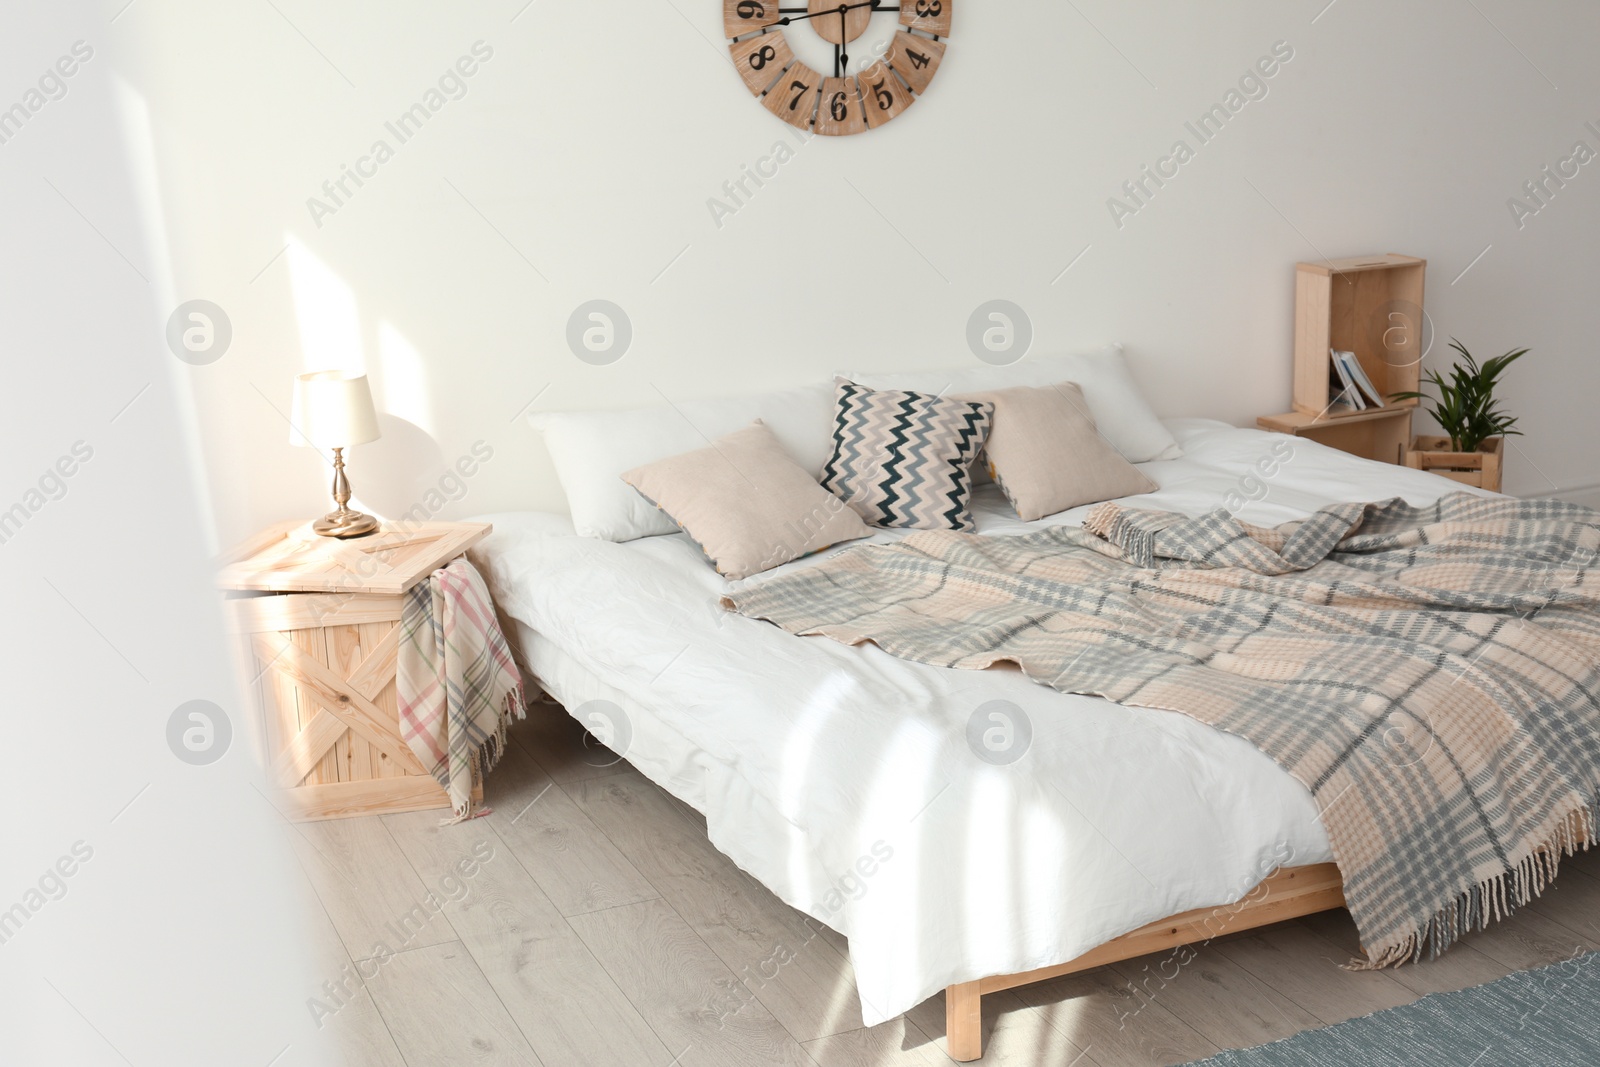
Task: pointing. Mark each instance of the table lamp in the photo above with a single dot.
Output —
(333, 409)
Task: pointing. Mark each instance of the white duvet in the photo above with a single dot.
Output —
(843, 778)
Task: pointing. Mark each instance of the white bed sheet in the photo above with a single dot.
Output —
(842, 777)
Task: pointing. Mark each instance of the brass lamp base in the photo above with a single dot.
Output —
(342, 522)
(345, 523)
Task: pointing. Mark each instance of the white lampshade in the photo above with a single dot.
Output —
(333, 409)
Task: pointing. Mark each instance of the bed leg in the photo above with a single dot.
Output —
(963, 1022)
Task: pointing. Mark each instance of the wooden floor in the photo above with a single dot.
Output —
(606, 930)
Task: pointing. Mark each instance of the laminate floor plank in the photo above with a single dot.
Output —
(564, 747)
(1217, 998)
(443, 1013)
(896, 1043)
(576, 865)
(1461, 968)
(1586, 862)
(699, 1009)
(1527, 940)
(362, 1037)
(372, 895)
(1101, 1012)
(565, 1003)
(775, 950)
(1572, 901)
(1309, 971)
(347, 1019)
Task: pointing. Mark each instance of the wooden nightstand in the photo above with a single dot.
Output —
(1371, 306)
(318, 621)
(1382, 435)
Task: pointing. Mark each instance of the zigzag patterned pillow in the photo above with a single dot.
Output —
(905, 459)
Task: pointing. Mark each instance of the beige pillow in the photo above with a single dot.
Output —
(746, 503)
(1046, 454)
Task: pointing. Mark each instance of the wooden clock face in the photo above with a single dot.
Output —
(859, 92)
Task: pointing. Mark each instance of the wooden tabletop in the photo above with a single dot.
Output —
(290, 558)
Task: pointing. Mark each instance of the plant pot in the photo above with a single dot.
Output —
(1481, 468)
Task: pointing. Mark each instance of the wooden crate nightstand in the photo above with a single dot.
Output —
(319, 645)
(1382, 435)
(1372, 306)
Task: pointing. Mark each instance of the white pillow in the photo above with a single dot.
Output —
(1120, 411)
(592, 449)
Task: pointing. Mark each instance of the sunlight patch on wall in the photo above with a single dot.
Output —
(401, 386)
(138, 135)
(325, 309)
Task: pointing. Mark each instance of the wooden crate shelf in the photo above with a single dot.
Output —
(1372, 306)
(1369, 305)
(317, 622)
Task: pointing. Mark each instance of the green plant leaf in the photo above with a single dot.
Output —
(1466, 408)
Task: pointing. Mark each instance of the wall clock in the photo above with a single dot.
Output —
(881, 87)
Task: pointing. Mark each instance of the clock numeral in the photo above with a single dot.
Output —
(792, 96)
(927, 16)
(883, 98)
(739, 17)
(841, 112)
(916, 59)
(761, 60)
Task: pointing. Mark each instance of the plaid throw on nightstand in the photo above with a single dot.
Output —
(458, 686)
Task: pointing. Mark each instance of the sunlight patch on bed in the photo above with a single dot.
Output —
(893, 800)
(988, 861)
(824, 703)
(1041, 877)
(907, 784)
(826, 700)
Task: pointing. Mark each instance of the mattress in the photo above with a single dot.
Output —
(867, 791)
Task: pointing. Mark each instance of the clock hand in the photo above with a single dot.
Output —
(844, 30)
(788, 19)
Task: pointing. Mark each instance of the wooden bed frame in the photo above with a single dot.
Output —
(1287, 893)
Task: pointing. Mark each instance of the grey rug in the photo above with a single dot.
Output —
(1544, 1018)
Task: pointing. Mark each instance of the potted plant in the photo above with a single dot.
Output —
(1471, 451)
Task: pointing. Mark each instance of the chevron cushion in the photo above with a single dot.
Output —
(905, 459)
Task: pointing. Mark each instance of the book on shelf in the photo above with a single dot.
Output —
(1358, 376)
(1343, 392)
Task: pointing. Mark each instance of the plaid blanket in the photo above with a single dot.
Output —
(1430, 674)
(457, 684)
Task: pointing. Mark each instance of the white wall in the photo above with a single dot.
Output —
(150, 907)
(580, 163)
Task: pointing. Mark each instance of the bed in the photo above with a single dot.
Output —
(859, 789)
